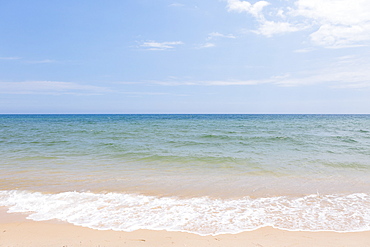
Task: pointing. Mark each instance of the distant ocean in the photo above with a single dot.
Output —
(205, 174)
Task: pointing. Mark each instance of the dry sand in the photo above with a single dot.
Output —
(16, 231)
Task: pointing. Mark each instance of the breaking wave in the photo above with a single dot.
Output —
(200, 215)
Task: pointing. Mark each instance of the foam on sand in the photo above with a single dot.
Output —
(200, 215)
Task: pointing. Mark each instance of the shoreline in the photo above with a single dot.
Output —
(16, 230)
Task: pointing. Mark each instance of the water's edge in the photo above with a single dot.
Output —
(202, 215)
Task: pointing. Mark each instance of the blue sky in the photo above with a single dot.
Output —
(185, 56)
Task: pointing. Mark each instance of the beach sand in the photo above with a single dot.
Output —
(15, 230)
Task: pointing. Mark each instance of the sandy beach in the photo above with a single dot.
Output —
(15, 230)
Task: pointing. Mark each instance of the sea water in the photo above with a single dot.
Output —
(205, 174)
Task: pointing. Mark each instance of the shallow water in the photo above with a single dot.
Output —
(231, 172)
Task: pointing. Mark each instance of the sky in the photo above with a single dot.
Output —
(185, 56)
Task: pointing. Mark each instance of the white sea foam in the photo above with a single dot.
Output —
(202, 215)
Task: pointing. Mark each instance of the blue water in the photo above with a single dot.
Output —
(228, 162)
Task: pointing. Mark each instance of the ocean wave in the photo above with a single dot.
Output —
(200, 215)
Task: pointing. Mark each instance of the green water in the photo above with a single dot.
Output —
(91, 149)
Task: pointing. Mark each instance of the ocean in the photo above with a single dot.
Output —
(205, 174)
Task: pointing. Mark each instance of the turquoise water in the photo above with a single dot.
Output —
(231, 172)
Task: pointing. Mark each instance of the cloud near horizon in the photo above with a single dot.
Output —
(343, 72)
(50, 88)
(333, 24)
(10, 58)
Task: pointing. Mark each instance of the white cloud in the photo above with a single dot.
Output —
(280, 13)
(160, 46)
(10, 58)
(336, 36)
(234, 82)
(49, 87)
(206, 45)
(220, 35)
(189, 82)
(266, 27)
(176, 5)
(42, 61)
(244, 6)
(333, 23)
(270, 28)
(340, 23)
(29, 61)
(341, 12)
(305, 50)
(140, 94)
(212, 37)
